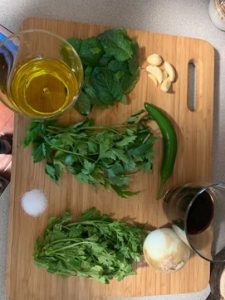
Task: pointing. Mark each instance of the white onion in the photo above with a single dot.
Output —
(165, 251)
(34, 202)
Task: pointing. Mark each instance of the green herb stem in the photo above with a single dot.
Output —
(116, 246)
(64, 150)
(98, 155)
(67, 247)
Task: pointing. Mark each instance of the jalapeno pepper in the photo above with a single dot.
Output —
(169, 143)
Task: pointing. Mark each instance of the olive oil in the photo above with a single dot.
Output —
(43, 87)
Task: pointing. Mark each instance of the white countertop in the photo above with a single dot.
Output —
(178, 17)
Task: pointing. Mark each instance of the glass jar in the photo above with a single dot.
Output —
(4, 32)
(217, 13)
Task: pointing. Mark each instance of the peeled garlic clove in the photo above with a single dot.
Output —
(152, 77)
(166, 84)
(154, 59)
(170, 71)
(165, 74)
(155, 71)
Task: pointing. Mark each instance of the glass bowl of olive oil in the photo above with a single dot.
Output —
(41, 74)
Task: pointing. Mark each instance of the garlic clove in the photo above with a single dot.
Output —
(165, 74)
(154, 59)
(165, 85)
(155, 71)
(170, 71)
(152, 77)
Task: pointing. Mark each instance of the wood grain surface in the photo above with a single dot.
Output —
(194, 129)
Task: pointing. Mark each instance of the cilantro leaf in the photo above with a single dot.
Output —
(95, 246)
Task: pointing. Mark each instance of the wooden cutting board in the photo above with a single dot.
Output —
(194, 129)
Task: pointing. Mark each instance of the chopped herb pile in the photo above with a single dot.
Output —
(111, 68)
(96, 246)
(97, 155)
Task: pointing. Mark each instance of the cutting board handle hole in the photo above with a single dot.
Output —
(191, 99)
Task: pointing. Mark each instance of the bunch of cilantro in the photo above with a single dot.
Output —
(96, 246)
(97, 155)
(111, 68)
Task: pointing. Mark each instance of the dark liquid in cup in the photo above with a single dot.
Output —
(200, 213)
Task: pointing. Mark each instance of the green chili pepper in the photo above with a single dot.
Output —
(169, 143)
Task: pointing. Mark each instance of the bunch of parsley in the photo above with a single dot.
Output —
(96, 155)
(96, 246)
(111, 68)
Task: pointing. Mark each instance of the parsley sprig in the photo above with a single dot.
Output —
(97, 155)
(96, 246)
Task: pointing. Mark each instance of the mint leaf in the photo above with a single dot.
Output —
(90, 51)
(116, 43)
(76, 43)
(107, 88)
(111, 68)
(83, 104)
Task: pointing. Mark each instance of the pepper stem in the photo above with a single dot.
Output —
(160, 192)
